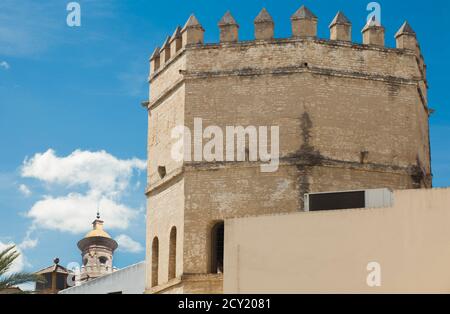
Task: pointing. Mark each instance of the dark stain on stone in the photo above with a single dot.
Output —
(306, 126)
(418, 175)
(308, 156)
(393, 89)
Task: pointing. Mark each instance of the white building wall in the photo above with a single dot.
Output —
(130, 280)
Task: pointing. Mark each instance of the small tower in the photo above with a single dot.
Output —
(229, 28)
(155, 60)
(165, 51)
(406, 37)
(97, 249)
(304, 23)
(192, 32)
(341, 28)
(264, 26)
(373, 34)
(175, 41)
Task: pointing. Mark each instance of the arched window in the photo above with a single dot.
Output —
(155, 261)
(217, 247)
(173, 253)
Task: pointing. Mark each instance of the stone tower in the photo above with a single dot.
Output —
(350, 116)
(97, 249)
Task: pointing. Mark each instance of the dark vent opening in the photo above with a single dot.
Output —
(335, 201)
(162, 171)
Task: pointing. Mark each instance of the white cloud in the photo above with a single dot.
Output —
(24, 190)
(101, 171)
(19, 263)
(28, 243)
(74, 213)
(127, 244)
(5, 65)
(103, 180)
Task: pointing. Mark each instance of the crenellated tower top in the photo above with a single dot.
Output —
(304, 27)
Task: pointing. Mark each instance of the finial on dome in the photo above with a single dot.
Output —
(98, 213)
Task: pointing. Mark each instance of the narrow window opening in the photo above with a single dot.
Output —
(155, 261)
(217, 248)
(162, 171)
(173, 253)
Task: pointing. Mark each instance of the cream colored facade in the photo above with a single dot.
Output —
(329, 251)
(351, 116)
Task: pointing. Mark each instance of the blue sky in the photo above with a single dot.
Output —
(70, 101)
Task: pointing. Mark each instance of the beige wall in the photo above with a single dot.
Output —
(329, 251)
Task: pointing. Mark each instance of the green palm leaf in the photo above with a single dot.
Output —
(9, 280)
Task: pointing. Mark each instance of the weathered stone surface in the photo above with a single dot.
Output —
(341, 19)
(303, 13)
(264, 26)
(229, 28)
(263, 17)
(341, 28)
(304, 23)
(373, 35)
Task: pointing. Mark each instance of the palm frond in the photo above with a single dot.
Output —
(18, 279)
(7, 258)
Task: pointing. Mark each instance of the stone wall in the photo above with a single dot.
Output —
(351, 116)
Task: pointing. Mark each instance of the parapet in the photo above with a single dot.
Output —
(175, 41)
(373, 35)
(165, 51)
(192, 32)
(304, 23)
(264, 26)
(406, 38)
(304, 27)
(229, 28)
(341, 28)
